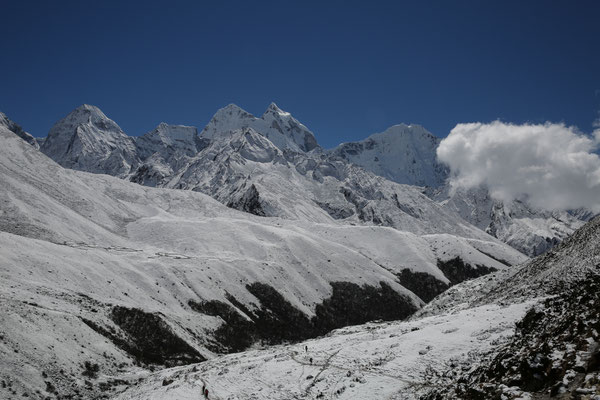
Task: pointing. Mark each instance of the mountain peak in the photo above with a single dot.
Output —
(404, 129)
(275, 109)
(402, 153)
(87, 140)
(88, 107)
(233, 109)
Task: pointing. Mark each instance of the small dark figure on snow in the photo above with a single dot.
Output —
(206, 393)
(310, 361)
(306, 349)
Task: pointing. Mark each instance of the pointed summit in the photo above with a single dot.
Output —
(290, 128)
(88, 140)
(273, 108)
(90, 108)
(233, 110)
(227, 119)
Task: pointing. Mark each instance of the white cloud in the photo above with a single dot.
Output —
(552, 166)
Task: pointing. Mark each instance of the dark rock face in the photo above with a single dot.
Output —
(424, 285)
(249, 202)
(335, 212)
(277, 320)
(151, 340)
(457, 271)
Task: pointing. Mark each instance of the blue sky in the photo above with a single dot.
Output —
(345, 69)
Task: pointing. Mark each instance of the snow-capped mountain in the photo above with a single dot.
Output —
(522, 333)
(87, 140)
(17, 130)
(283, 130)
(103, 279)
(402, 153)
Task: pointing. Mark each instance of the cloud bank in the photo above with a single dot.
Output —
(551, 165)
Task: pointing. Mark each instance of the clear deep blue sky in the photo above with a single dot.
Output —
(345, 69)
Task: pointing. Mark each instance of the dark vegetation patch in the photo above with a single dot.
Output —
(457, 271)
(148, 338)
(110, 333)
(351, 304)
(277, 320)
(235, 334)
(554, 351)
(424, 285)
(90, 369)
(427, 287)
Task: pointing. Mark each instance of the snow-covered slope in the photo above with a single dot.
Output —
(87, 140)
(283, 130)
(499, 336)
(17, 130)
(101, 278)
(402, 153)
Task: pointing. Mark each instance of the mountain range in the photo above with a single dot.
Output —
(121, 255)
(273, 166)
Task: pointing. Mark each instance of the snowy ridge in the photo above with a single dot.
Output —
(17, 130)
